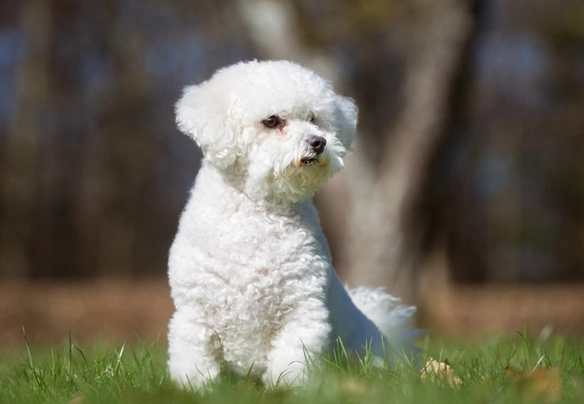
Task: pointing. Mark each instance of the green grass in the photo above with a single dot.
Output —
(550, 370)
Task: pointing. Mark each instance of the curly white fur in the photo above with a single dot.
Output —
(250, 270)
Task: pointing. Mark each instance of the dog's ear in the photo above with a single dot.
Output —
(203, 116)
(346, 117)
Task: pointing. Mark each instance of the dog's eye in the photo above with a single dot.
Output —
(312, 119)
(272, 121)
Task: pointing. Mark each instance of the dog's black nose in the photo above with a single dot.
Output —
(317, 143)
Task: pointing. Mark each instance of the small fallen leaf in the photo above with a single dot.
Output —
(543, 384)
(77, 400)
(440, 372)
(353, 386)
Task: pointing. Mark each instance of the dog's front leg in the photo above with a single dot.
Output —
(193, 358)
(299, 343)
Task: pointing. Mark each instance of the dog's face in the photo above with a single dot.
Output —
(274, 129)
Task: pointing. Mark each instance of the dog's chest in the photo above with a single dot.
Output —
(263, 271)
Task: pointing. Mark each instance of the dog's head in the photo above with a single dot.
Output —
(274, 129)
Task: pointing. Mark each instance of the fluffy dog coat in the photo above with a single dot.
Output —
(250, 270)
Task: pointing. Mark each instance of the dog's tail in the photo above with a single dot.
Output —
(394, 320)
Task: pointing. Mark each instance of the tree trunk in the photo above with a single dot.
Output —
(22, 143)
(379, 252)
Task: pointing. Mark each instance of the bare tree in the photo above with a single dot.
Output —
(380, 247)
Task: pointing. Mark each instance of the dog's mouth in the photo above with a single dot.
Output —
(308, 161)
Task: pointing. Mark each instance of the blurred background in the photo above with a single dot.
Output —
(464, 194)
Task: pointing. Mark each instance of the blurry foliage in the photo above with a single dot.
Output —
(93, 172)
(519, 186)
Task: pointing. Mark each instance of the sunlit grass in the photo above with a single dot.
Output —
(495, 370)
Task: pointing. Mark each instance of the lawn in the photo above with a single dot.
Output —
(494, 370)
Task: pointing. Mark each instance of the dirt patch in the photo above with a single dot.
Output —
(508, 309)
(106, 311)
(113, 311)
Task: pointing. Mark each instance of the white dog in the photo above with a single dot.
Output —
(250, 270)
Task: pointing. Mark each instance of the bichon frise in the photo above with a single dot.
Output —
(250, 269)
